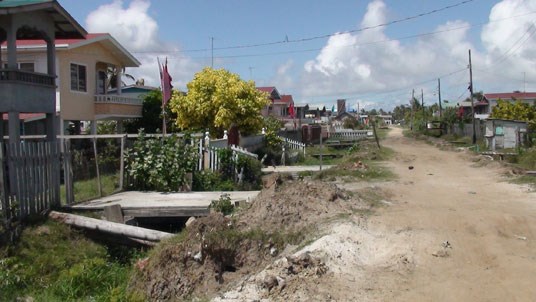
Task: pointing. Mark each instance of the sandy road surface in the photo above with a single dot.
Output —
(489, 223)
(400, 253)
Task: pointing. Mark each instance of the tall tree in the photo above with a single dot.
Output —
(151, 116)
(216, 99)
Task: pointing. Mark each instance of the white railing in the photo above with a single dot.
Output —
(293, 145)
(351, 134)
(237, 150)
(117, 99)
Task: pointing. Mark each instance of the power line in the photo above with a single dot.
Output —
(286, 40)
(352, 31)
(518, 43)
(348, 45)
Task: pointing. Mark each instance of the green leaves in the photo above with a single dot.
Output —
(515, 111)
(160, 164)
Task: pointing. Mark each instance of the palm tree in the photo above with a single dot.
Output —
(111, 77)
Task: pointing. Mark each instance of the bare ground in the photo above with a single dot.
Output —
(451, 230)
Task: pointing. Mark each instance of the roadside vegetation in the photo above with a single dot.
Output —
(52, 262)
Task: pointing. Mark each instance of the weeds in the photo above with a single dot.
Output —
(223, 205)
(52, 262)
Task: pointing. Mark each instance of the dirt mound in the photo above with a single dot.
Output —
(294, 204)
(216, 252)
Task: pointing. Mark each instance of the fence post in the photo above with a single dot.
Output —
(206, 155)
(122, 163)
(4, 195)
(68, 171)
(99, 185)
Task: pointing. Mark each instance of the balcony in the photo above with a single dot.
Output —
(23, 91)
(117, 106)
(117, 99)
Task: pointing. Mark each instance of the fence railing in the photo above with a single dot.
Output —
(351, 134)
(293, 145)
(29, 178)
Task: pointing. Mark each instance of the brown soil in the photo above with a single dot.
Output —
(452, 229)
(219, 251)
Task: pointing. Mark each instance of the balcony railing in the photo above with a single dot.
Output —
(117, 99)
(15, 75)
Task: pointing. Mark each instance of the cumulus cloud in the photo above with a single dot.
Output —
(510, 42)
(137, 31)
(353, 64)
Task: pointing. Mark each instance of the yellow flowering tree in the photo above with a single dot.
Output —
(215, 100)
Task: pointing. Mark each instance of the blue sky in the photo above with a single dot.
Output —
(377, 68)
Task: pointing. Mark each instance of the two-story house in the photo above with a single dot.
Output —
(24, 88)
(84, 67)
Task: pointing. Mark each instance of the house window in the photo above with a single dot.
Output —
(78, 78)
(101, 82)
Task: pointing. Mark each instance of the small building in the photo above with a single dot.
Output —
(505, 134)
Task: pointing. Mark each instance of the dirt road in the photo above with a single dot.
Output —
(490, 226)
(451, 230)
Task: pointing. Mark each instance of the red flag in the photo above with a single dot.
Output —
(291, 110)
(165, 79)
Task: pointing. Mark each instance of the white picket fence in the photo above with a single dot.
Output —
(293, 145)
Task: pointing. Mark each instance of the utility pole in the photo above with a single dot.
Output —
(211, 52)
(422, 105)
(439, 93)
(412, 109)
(472, 102)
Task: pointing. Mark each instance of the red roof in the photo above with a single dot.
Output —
(287, 98)
(58, 41)
(510, 95)
(26, 116)
(266, 89)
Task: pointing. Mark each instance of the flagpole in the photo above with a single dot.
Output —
(160, 72)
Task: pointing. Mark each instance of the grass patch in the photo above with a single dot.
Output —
(53, 262)
(89, 189)
(311, 160)
(525, 179)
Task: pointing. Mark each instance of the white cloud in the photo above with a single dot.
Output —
(511, 42)
(138, 32)
(349, 64)
(284, 78)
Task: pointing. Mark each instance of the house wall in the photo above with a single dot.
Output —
(124, 110)
(76, 105)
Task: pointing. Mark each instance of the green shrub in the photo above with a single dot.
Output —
(159, 164)
(223, 205)
(252, 173)
(211, 181)
(527, 159)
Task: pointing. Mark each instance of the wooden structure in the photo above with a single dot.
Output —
(505, 134)
(29, 178)
(29, 172)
